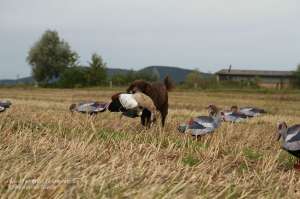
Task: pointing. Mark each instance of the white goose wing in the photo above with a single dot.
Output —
(128, 101)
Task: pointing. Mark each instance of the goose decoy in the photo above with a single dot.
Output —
(5, 103)
(290, 140)
(251, 111)
(202, 125)
(88, 107)
(233, 115)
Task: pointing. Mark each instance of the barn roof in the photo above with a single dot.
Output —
(255, 73)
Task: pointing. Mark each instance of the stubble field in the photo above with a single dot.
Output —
(47, 152)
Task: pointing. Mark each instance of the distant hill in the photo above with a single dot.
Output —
(112, 71)
(177, 74)
(24, 80)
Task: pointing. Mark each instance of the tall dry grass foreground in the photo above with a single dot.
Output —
(47, 152)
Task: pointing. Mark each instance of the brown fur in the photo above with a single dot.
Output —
(158, 92)
(145, 101)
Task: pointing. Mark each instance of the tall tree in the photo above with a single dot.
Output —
(193, 79)
(50, 56)
(97, 71)
(73, 77)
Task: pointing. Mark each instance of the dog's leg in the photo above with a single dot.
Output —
(143, 119)
(164, 113)
(148, 122)
(146, 117)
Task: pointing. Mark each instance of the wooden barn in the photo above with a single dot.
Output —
(267, 79)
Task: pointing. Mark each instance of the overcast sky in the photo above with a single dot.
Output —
(204, 34)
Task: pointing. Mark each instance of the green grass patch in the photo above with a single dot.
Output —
(112, 135)
(286, 160)
(251, 154)
(190, 160)
(243, 168)
(232, 192)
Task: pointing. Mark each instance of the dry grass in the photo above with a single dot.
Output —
(47, 152)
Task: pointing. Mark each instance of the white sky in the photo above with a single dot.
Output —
(204, 34)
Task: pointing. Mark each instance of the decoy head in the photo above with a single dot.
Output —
(222, 116)
(282, 130)
(182, 128)
(72, 107)
(212, 110)
(190, 122)
(234, 109)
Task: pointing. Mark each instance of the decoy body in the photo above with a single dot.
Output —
(4, 104)
(250, 111)
(202, 125)
(290, 140)
(2, 109)
(233, 115)
(89, 107)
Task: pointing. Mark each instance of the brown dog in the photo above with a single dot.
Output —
(158, 92)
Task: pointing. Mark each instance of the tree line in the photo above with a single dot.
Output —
(55, 64)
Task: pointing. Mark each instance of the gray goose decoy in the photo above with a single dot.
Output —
(4, 104)
(89, 107)
(233, 115)
(202, 125)
(251, 111)
(290, 140)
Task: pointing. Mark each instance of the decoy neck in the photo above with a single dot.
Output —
(214, 112)
(234, 109)
(72, 107)
(282, 130)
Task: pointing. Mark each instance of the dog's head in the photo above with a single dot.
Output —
(139, 86)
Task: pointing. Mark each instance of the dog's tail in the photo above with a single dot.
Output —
(168, 83)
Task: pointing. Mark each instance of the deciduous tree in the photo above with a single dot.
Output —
(50, 56)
